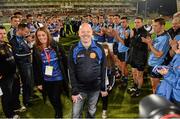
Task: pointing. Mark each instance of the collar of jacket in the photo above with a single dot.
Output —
(93, 44)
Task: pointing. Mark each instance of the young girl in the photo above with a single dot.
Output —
(109, 79)
(170, 85)
(50, 68)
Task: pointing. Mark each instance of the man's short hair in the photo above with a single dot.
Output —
(22, 25)
(17, 13)
(2, 27)
(161, 21)
(139, 18)
(28, 15)
(124, 18)
(39, 15)
(117, 15)
(14, 16)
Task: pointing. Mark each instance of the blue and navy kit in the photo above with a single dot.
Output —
(110, 39)
(32, 28)
(56, 75)
(161, 43)
(87, 67)
(98, 38)
(51, 28)
(21, 50)
(11, 33)
(121, 47)
(57, 59)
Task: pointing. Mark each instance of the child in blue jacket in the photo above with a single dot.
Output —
(170, 85)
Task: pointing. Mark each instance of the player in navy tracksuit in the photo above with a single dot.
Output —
(22, 54)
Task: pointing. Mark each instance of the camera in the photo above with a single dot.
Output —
(157, 107)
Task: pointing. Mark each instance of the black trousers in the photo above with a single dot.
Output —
(7, 102)
(104, 102)
(54, 90)
(16, 92)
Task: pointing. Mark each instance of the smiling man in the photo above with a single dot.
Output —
(87, 72)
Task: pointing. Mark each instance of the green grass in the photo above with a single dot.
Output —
(121, 105)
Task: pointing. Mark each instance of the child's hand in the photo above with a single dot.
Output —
(163, 71)
(104, 93)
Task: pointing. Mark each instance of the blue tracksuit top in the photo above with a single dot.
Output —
(170, 85)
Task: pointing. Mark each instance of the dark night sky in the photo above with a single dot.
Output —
(164, 7)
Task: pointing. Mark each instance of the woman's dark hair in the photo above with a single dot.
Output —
(46, 31)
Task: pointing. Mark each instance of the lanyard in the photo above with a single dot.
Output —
(48, 56)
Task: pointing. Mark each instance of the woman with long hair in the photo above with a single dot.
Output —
(50, 69)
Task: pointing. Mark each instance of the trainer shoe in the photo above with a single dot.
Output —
(104, 114)
(16, 117)
(130, 90)
(137, 93)
(21, 109)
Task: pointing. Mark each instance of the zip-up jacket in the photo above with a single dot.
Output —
(87, 68)
(21, 50)
(38, 65)
(7, 61)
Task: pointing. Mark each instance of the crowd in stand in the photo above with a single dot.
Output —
(31, 59)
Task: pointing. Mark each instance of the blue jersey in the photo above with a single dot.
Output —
(160, 43)
(51, 28)
(97, 28)
(57, 74)
(32, 28)
(121, 47)
(116, 27)
(110, 39)
(177, 37)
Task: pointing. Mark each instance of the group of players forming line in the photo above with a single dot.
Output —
(31, 59)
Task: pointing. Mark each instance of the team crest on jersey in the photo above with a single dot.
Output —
(93, 55)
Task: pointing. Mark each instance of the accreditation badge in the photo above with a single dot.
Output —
(93, 55)
(49, 70)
